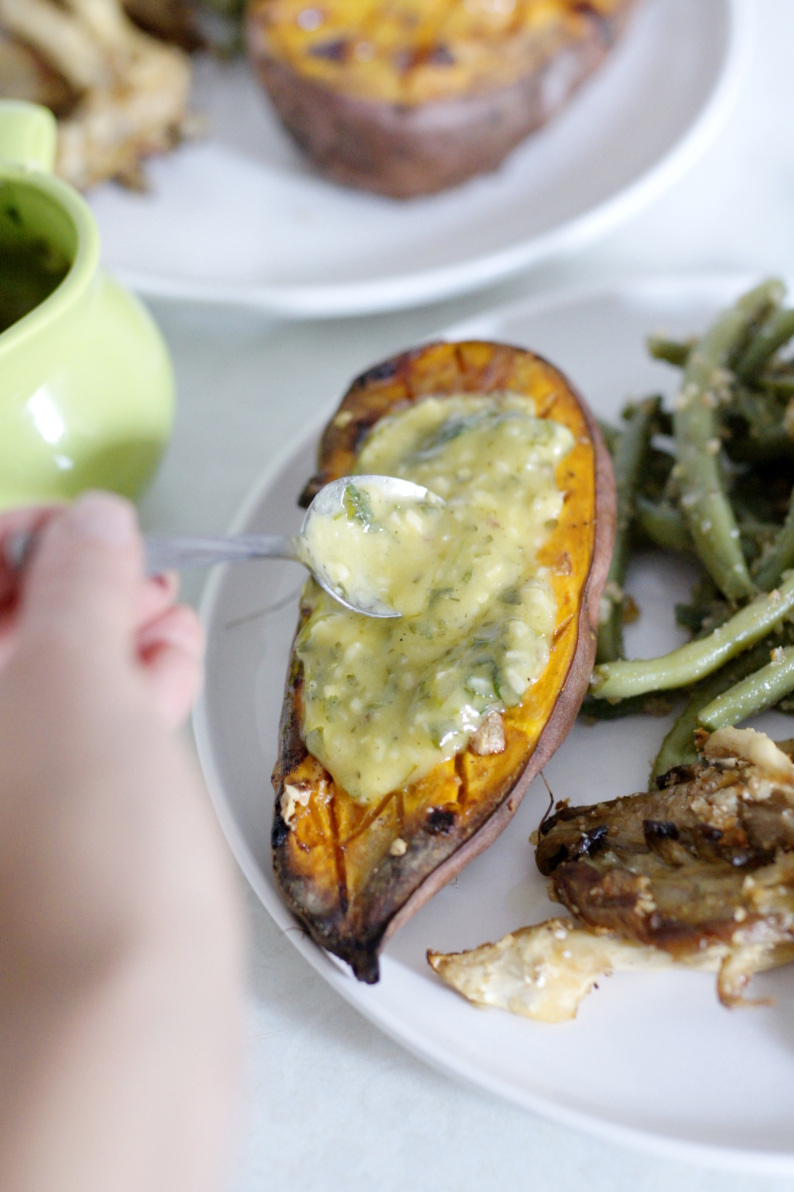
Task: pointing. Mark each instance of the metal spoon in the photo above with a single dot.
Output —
(166, 553)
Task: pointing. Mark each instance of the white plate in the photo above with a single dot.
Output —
(651, 1059)
(241, 218)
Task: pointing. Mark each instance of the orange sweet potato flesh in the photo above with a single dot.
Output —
(410, 97)
(332, 856)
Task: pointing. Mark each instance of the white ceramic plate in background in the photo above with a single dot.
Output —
(241, 218)
(652, 1059)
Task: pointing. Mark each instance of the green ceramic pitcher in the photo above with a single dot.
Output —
(86, 385)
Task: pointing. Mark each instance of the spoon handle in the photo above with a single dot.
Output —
(176, 554)
(164, 553)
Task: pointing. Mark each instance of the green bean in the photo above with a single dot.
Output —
(754, 694)
(757, 537)
(695, 660)
(777, 385)
(678, 747)
(664, 423)
(760, 410)
(642, 705)
(760, 499)
(663, 523)
(659, 420)
(755, 422)
(657, 480)
(781, 555)
(702, 617)
(628, 458)
(775, 291)
(707, 608)
(705, 504)
(671, 351)
(775, 331)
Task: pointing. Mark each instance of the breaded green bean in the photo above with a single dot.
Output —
(643, 705)
(671, 351)
(781, 555)
(776, 330)
(756, 539)
(678, 747)
(777, 384)
(704, 502)
(755, 422)
(756, 693)
(695, 660)
(657, 479)
(628, 459)
(702, 617)
(663, 523)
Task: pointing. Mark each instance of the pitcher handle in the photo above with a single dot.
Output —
(28, 134)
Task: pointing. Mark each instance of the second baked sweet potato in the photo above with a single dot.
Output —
(411, 98)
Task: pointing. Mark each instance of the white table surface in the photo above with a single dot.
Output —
(331, 1103)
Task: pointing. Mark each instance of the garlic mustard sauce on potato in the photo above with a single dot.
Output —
(385, 701)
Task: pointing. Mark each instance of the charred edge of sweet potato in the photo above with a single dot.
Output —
(404, 151)
(428, 371)
(445, 835)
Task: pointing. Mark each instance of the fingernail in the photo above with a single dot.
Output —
(104, 518)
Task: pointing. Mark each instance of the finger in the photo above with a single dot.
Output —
(8, 638)
(17, 521)
(158, 594)
(83, 583)
(172, 653)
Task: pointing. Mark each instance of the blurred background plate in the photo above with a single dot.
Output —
(240, 217)
(652, 1059)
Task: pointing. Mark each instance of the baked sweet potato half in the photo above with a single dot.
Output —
(352, 871)
(411, 98)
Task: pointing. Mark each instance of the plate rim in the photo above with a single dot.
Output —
(421, 287)
(707, 1155)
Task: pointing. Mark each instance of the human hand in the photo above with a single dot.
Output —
(120, 939)
(169, 639)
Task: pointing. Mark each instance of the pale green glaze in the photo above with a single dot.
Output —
(86, 385)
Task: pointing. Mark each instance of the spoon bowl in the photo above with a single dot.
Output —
(350, 501)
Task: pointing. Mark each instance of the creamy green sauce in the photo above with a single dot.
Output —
(29, 273)
(385, 701)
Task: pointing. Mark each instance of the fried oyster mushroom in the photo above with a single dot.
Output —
(699, 873)
(119, 94)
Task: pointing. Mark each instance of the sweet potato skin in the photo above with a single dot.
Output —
(354, 874)
(406, 150)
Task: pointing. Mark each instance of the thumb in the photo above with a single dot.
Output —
(82, 584)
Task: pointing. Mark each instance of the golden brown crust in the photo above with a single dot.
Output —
(443, 97)
(352, 873)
